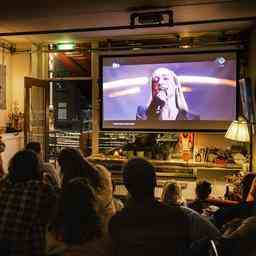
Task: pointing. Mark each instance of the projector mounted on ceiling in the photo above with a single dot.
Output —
(151, 19)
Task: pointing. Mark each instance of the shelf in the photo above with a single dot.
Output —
(173, 163)
(69, 137)
(66, 145)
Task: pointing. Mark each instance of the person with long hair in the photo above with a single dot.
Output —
(80, 225)
(168, 101)
(26, 207)
(73, 164)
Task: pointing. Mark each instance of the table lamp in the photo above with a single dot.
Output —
(240, 130)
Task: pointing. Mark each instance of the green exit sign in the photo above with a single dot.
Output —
(66, 46)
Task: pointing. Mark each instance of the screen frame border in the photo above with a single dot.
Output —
(100, 85)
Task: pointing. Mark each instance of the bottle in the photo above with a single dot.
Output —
(226, 196)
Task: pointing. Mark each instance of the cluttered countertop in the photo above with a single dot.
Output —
(175, 162)
(186, 172)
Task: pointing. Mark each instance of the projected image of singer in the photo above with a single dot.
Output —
(168, 101)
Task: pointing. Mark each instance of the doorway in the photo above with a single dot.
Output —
(36, 104)
(70, 115)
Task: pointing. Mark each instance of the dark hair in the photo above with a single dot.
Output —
(74, 165)
(246, 184)
(34, 146)
(24, 166)
(203, 189)
(78, 220)
(139, 178)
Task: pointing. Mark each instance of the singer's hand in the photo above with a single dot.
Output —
(162, 95)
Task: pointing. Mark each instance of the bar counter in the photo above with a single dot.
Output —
(185, 173)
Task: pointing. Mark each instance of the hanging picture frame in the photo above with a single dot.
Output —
(2, 87)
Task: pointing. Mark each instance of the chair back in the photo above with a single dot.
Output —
(213, 249)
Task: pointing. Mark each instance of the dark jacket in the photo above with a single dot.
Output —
(198, 205)
(149, 228)
(151, 113)
(226, 214)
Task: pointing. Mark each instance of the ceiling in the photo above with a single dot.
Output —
(48, 15)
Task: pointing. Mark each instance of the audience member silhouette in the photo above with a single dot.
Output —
(244, 209)
(73, 165)
(148, 227)
(171, 194)
(80, 225)
(26, 206)
(203, 190)
(49, 173)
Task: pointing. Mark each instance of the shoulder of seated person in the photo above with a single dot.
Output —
(48, 164)
(48, 167)
(116, 221)
(190, 211)
(34, 184)
(45, 186)
(122, 214)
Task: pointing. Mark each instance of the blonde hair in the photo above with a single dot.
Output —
(106, 207)
(179, 96)
(171, 193)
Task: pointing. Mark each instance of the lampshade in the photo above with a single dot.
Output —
(238, 131)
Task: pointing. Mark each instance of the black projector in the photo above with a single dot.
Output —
(150, 18)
